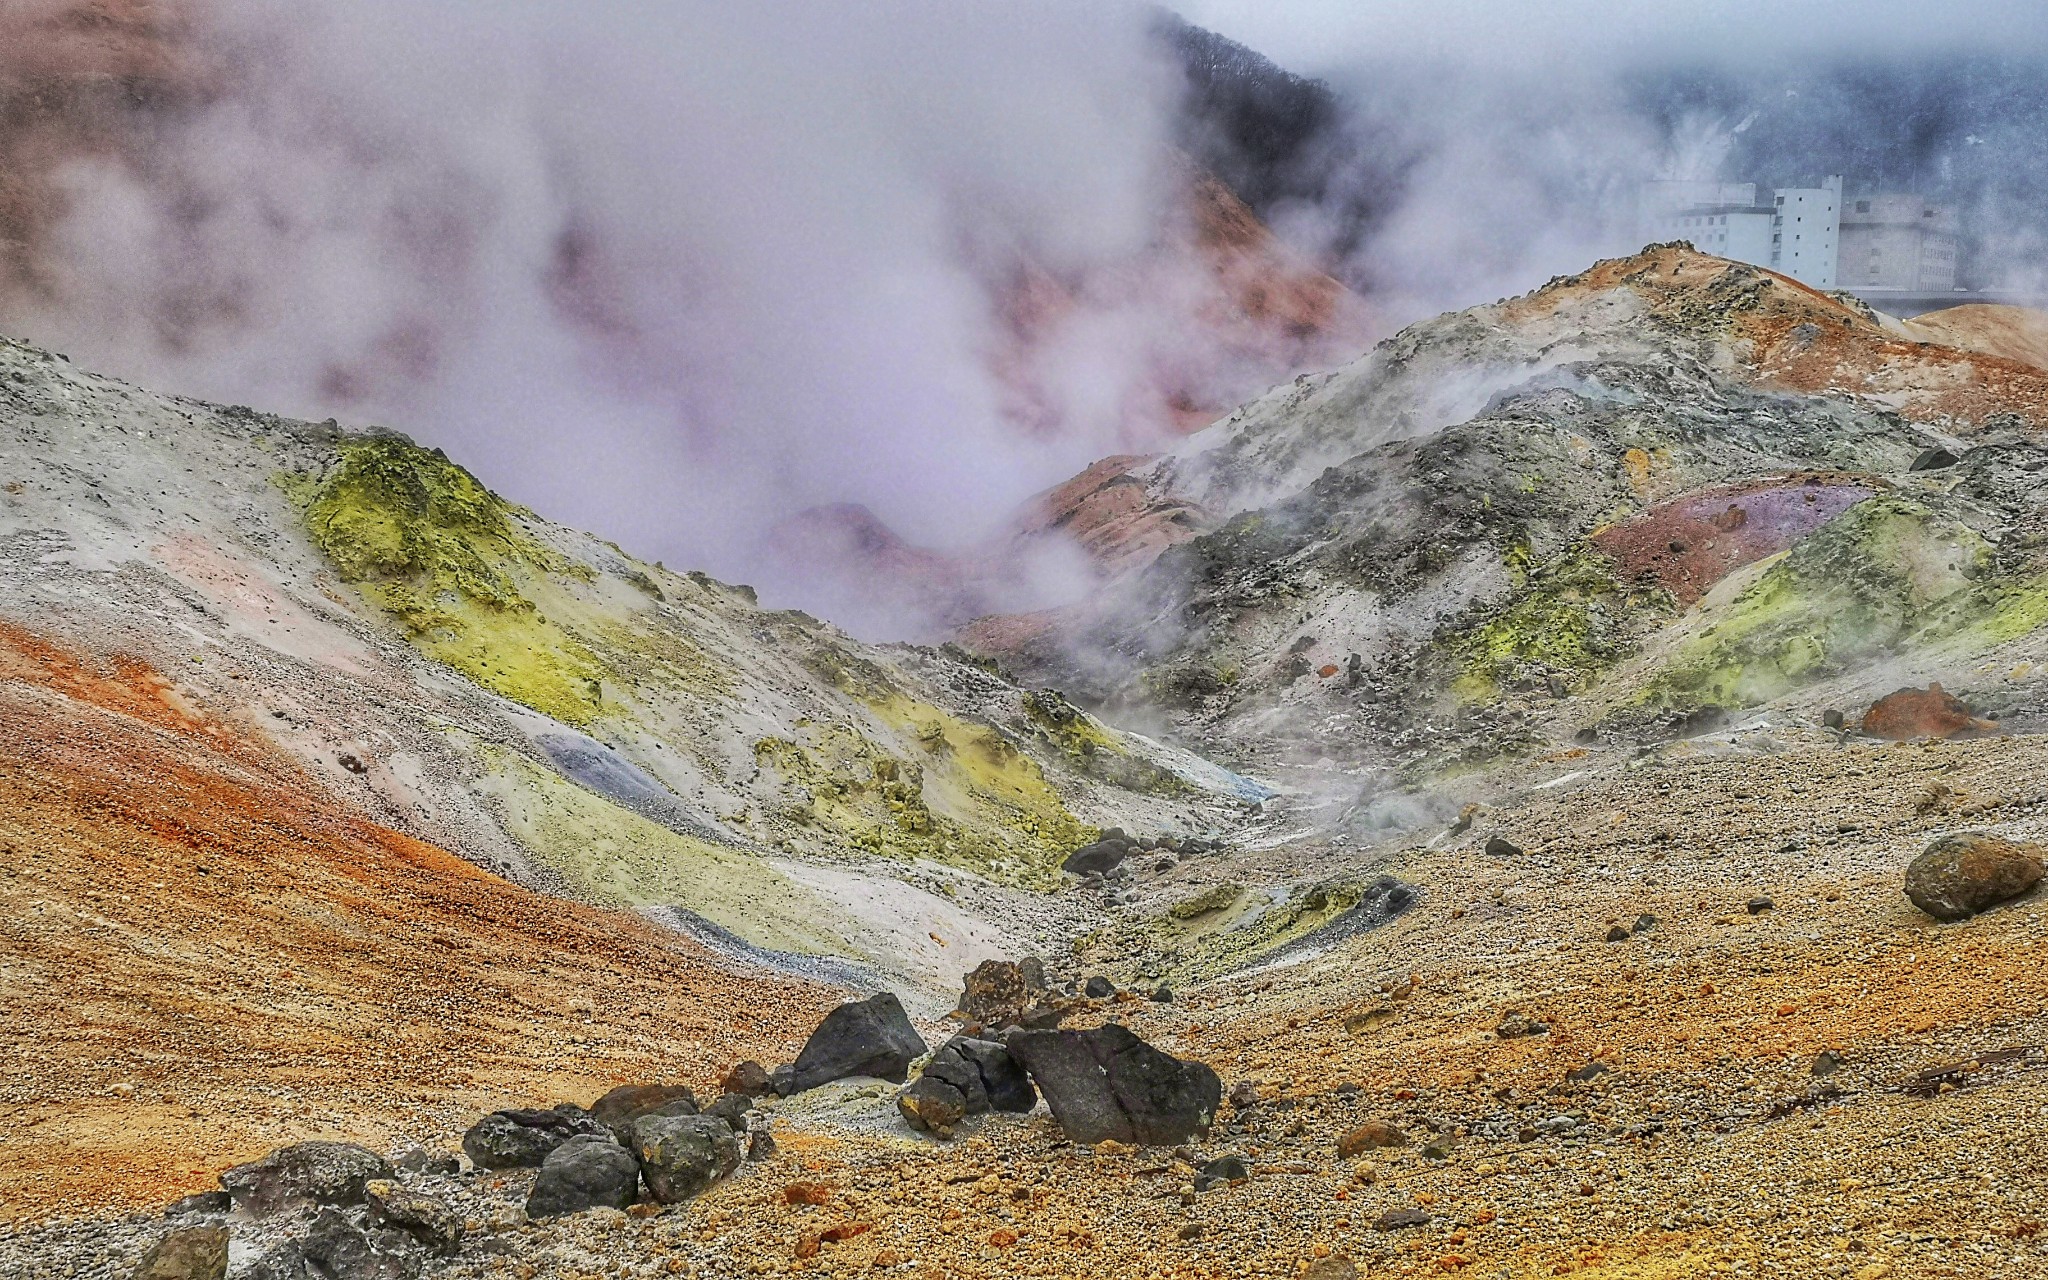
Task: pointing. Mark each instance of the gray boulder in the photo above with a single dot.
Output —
(584, 1174)
(681, 1156)
(335, 1248)
(521, 1139)
(192, 1253)
(933, 1105)
(1107, 1083)
(965, 1077)
(1100, 858)
(433, 1223)
(871, 1037)
(1967, 872)
(304, 1176)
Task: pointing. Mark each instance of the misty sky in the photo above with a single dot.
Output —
(1317, 35)
(680, 273)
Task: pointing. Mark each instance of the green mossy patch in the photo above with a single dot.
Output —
(444, 556)
(1092, 750)
(1886, 573)
(1300, 914)
(614, 857)
(968, 797)
(1569, 620)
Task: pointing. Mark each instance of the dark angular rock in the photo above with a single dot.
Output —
(750, 1078)
(1645, 923)
(1502, 847)
(1107, 1083)
(732, 1108)
(1760, 904)
(783, 1080)
(189, 1253)
(303, 1176)
(433, 1223)
(1003, 1078)
(1162, 994)
(1100, 858)
(204, 1202)
(584, 1174)
(337, 1249)
(1934, 459)
(1618, 933)
(1099, 988)
(933, 1105)
(761, 1146)
(1590, 1072)
(1967, 872)
(521, 1139)
(681, 1156)
(871, 1037)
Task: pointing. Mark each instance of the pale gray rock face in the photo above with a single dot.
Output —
(682, 1156)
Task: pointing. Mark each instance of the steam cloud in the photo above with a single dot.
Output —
(677, 272)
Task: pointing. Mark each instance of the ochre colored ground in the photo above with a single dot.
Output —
(204, 954)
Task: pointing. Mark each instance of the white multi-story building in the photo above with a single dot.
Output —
(1797, 231)
(1806, 237)
(1898, 242)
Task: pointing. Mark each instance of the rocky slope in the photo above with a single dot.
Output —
(1668, 490)
(1573, 944)
(300, 682)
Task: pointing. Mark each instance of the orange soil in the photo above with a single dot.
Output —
(1797, 338)
(205, 954)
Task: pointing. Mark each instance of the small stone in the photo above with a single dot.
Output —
(1826, 1062)
(1501, 847)
(1760, 904)
(1221, 1171)
(1373, 1135)
(1935, 458)
(932, 1105)
(1645, 923)
(1162, 994)
(189, 1253)
(750, 1078)
(1400, 1220)
(761, 1146)
(1590, 1072)
(1833, 718)
(1245, 1093)
(1618, 933)
(1099, 988)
